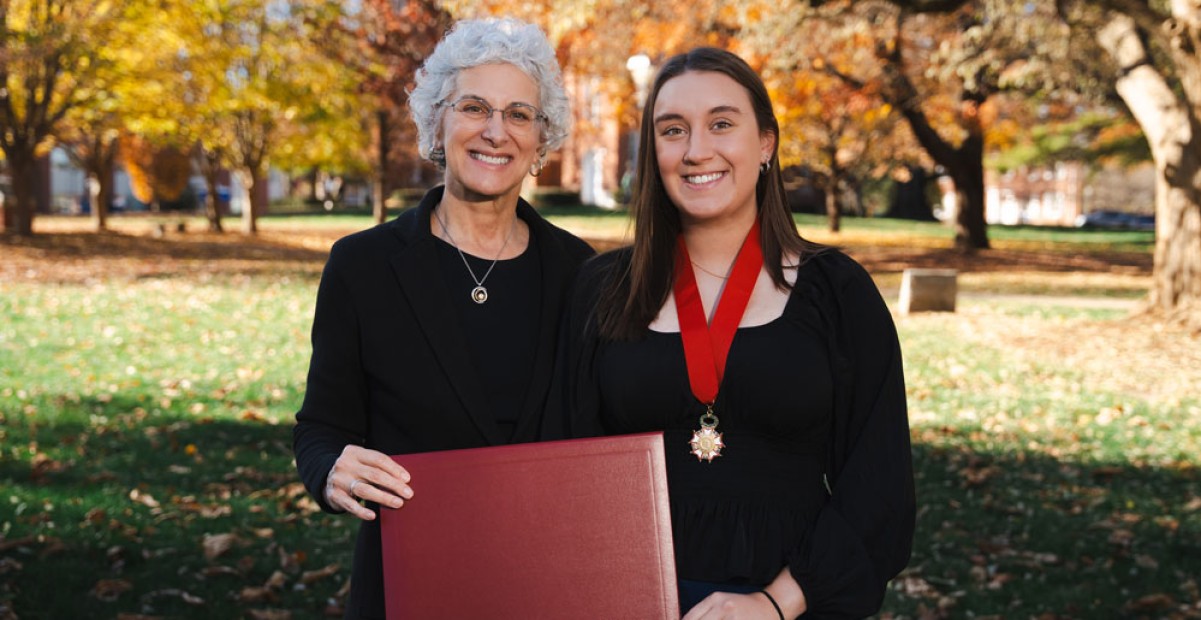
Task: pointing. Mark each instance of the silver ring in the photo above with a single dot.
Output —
(353, 483)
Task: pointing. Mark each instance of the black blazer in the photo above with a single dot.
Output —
(390, 368)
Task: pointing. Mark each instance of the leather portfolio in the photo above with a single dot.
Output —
(557, 530)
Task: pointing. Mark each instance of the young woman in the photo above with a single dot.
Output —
(771, 364)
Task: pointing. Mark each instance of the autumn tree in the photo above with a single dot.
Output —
(383, 43)
(252, 78)
(134, 66)
(91, 145)
(1155, 49)
(841, 132)
(158, 173)
(49, 66)
(940, 62)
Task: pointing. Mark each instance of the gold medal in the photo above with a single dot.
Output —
(706, 443)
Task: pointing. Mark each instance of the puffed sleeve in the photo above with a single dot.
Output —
(573, 409)
(333, 413)
(863, 537)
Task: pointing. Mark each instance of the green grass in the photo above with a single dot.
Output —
(615, 223)
(176, 390)
(1056, 450)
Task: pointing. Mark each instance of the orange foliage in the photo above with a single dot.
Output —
(137, 155)
(155, 173)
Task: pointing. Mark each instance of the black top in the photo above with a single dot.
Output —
(502, 332)
(736, 516)
(817, 392)
(393, 368)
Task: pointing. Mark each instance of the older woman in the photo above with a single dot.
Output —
(437, 330)
(771, 364)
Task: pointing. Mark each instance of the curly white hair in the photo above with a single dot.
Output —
(476, 42)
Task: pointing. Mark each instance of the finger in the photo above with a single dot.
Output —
(697, 612)
(389, 487)
(369, 491)
(351, 505)
(379, 469)
(389, 465)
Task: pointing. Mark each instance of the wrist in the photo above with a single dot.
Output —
(787, 594)
(771, 599)
(328, 489)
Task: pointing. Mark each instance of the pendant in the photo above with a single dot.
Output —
(479, 294)
(706, 443)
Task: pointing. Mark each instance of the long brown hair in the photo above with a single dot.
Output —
(633, 295)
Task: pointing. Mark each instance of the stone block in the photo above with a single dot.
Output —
(928, 290)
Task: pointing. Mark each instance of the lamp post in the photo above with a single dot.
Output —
(641, 70)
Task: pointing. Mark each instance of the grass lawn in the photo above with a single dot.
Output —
(147, 387)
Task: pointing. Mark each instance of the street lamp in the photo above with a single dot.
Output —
(641, 70)
(639, 66)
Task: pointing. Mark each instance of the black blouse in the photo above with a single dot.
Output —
(736, 516)
(502, 333)
(815, 397)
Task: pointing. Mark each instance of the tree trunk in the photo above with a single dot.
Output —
(212, 205)
(251, 199)
(100, 179)
(1173, 131)
(833, 213)
(971, 228)
(210, 168)
(19, 208)
(909, 199)
(379, 206)
(1177, 275)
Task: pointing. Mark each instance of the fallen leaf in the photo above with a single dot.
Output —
(109, 590)
(1151, 602)
(1146, 561)
(23, 541)
(145, 499)
(269, 614)
(186, 597)
(276, 581)
(316, 575)
(999, 580)
(1121, 537)
(217, 544)
(10, 565)
(213, 571)
(256, 594)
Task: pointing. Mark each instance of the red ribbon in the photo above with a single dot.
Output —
(706, 346)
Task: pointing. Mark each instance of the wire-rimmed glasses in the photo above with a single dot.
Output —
(520, 116)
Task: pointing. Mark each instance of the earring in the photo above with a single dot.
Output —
(438, 155)
(764, 167)
(536, 167)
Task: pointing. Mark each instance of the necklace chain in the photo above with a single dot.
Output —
(695, 264)
(479, 294)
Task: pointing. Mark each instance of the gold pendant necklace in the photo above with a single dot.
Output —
(479, 294)
(706, 442)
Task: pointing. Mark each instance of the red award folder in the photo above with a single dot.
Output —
(556, 530)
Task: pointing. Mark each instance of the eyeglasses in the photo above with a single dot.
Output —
(516, 116)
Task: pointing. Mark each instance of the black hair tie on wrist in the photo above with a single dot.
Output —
(773, 603)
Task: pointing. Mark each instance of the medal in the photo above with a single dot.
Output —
(706, 346)
(706, 443)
